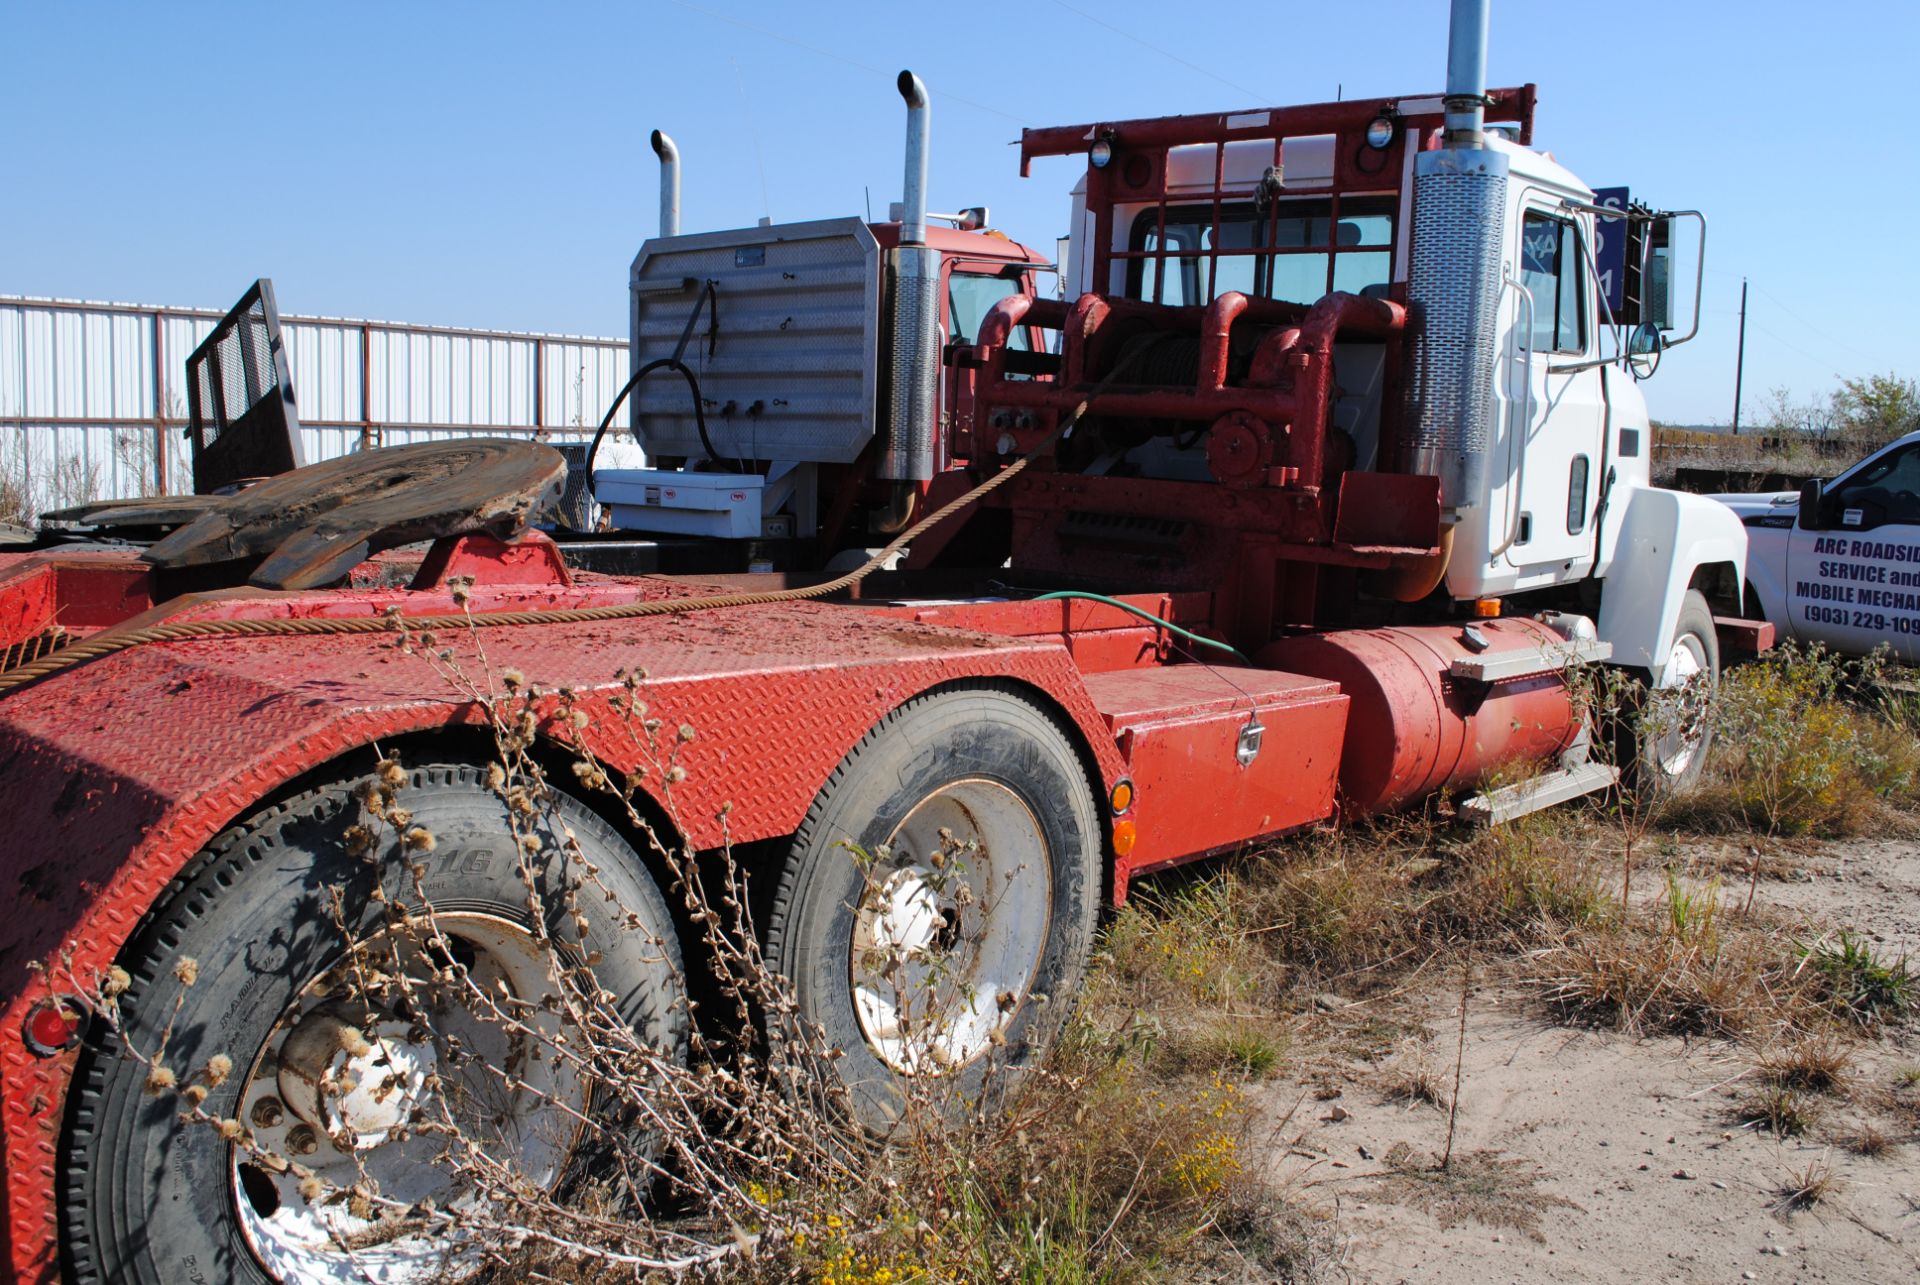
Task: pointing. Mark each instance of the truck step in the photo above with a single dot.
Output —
(1550, 659)
(1496, 807)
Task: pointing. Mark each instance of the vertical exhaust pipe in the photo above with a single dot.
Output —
(913, 224)
(669, 155)
(1454, 282)
(1466, 97)
(913, 313)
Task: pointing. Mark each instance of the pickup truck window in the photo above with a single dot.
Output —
(1887, 490)
(969, 295)
(1550, 268)
(1295, 250)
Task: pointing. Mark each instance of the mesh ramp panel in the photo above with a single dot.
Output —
(240, 403)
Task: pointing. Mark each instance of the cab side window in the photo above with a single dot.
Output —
(1550, 268)
(969, 295)
(1887, 490)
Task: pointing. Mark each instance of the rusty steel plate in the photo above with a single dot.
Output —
(313, 525)
(146, 511)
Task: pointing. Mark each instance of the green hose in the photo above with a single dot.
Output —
(1167, 625)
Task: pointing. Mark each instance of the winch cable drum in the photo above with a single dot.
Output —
(112, 640)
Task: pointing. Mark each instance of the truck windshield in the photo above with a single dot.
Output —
(969, 295)
(1296, 250)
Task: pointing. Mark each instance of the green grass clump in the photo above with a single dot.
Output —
(1858, 981)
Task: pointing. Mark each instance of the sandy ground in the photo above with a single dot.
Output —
(1584, 1155)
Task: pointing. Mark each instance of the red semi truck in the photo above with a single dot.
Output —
(1300, 505)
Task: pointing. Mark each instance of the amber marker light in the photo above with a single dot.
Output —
(1125, 834)
(1122, 797)
(54, 1025)
(1486, 608)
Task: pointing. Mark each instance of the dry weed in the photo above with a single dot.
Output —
(1783, 1112)
(1808, 743)
(1818, 1063)
(1805, 1188)
(1482, 1186)
(1870, 1142)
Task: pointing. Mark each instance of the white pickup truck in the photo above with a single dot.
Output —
(1839, 562)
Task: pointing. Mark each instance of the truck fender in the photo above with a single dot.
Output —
(1665, 536)
(1767, 579)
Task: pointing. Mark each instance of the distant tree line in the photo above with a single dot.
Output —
(1860, 415)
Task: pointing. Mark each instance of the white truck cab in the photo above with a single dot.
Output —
(1838, 563)
(1567, 493)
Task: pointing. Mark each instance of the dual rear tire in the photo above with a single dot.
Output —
(149, 1198)
(934, 918)
(937, 912)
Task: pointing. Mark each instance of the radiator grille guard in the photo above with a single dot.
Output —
(1453, 295)
(786, 358)
(913, 365)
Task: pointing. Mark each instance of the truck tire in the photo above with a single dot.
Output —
(937, 911)
(1664, 738)
(149, 1198)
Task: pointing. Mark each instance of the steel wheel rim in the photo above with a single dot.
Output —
(950, 928)
(1680, 707)
(534, 1126)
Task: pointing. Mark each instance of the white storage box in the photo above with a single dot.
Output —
(726, 505)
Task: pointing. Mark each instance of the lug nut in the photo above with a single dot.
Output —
(302, 1141)
(267, 1113)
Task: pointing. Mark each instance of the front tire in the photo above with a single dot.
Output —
(149, 1198)
(937, 912)
(1668, 731)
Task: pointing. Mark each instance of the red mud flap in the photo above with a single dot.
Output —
(1747, 637)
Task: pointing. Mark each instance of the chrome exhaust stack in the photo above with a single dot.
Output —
(1466, 96)
(1454, 279)
(669, 155)
(913, 312)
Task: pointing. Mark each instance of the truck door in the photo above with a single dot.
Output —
(1552, 469)
(1853, 582)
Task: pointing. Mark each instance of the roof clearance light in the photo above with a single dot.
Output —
(1380, 132)
(1100, 155)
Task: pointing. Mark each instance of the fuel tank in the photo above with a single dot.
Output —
(1413, 726)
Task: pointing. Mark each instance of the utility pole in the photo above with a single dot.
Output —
(1740, 360)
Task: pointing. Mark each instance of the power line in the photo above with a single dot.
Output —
(1253, 94)
(740, 83)
(1838, 345)
(818, 52)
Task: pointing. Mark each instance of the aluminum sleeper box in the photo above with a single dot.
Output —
(724, 505)
(785, 355)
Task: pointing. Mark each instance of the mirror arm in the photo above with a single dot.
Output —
(1699, 272)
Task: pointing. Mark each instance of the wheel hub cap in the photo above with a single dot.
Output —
(362, 1092)
(950, 929)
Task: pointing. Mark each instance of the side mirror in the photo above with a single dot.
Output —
(1812, 493)
(1644, 347)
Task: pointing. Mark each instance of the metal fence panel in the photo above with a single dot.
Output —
(93, 395)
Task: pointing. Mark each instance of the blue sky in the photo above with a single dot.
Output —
(487, 164)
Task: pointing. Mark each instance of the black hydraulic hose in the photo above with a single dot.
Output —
(699, 414)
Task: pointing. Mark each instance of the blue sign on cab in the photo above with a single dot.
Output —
(1610, 247)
